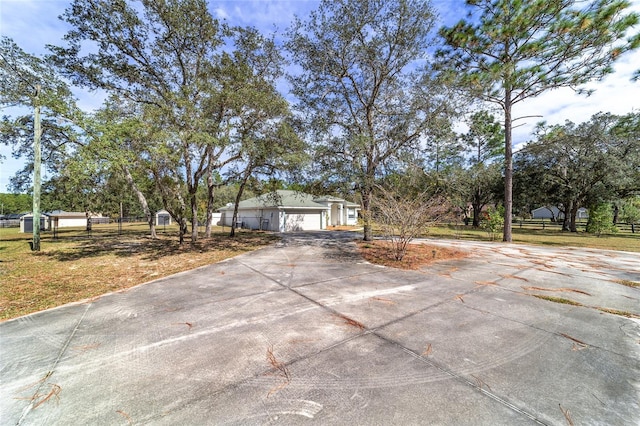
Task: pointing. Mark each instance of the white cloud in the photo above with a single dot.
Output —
(616, 94)
(220, 13)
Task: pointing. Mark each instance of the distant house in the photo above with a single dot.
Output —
(68, 219)
(552, 212)
(60, 219)
(11, 220)
(285, 211)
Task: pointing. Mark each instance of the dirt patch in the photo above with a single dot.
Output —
(342, 228)
(350, 322)
(561, 289)
(418, 255)
(627, 283)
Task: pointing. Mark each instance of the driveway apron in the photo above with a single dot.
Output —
(306, 331)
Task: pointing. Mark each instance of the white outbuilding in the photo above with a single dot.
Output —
(552, 212)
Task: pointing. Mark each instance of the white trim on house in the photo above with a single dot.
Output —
(341, 212)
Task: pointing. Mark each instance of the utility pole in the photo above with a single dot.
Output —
(37, 132)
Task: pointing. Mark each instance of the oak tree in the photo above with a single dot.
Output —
(361, 87)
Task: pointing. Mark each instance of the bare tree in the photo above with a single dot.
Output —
(404, 217)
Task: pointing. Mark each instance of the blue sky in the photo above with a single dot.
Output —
(34, 23)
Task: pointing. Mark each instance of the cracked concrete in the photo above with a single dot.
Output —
(305, 331)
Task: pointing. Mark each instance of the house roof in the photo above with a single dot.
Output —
(332, 199)
(66, 214)
(554, 209)
(30, 214)
(280, 199)
(328, 198)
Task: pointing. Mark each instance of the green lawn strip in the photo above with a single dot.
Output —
(549, 237)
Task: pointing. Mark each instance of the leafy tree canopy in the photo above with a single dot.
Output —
(360, 87)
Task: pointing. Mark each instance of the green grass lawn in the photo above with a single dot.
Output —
(624, 241)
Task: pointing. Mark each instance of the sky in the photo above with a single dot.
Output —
(32, 24)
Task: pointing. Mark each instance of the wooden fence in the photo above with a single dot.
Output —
(546, 224)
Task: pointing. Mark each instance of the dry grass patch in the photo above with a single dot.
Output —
(557, 300)
(74, 269)
(619, 312)
(350, 322)
(343, 227)
(628, 283)
(380, 252)
(561, 289)
(280, 369)
(514, 277)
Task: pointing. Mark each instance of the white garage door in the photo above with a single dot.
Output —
(302, 221)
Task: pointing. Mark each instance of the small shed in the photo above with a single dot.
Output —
(26, 223)
(163, 218)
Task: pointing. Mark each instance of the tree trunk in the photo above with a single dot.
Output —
(183, 229)
(508, 168)
(234, 219)
(180, 215)
(367, 195)
(194, 217)
(142, 200)
(210, 194)
(37, 133)
(574, 214)
(566, 214)
(476, 215)
(243, 183)
(477, 205)
(616, 213)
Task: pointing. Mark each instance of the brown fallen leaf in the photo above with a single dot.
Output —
(428, 350)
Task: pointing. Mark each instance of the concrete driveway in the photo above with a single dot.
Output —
(307, 332)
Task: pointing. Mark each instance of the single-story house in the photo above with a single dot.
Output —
(552, 212)
(285, 210)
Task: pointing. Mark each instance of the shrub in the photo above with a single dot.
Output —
(493, 221)
(601, 220)
(403, 217)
